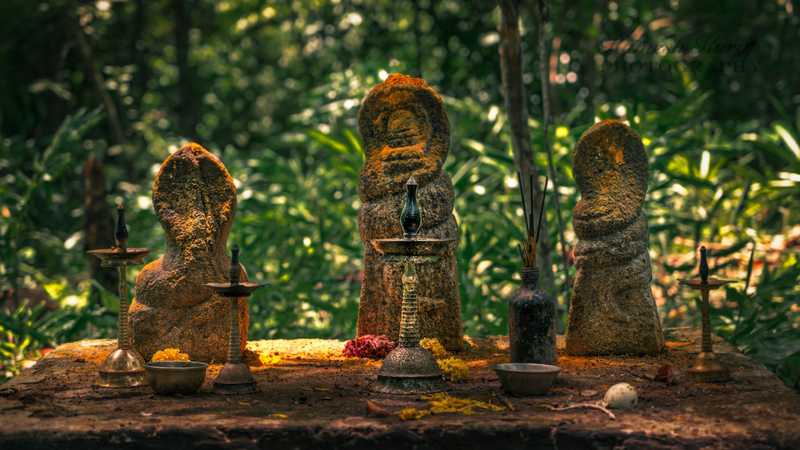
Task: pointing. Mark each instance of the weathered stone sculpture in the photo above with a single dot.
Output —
(612, 310)
(406, 133)
(194, 198)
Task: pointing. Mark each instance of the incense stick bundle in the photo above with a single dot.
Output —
(532, 226)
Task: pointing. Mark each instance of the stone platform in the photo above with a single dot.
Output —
(313, 398)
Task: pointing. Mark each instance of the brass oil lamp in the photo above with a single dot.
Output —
(124, 367)
(706, 366)
(409, 368)
(235, 376)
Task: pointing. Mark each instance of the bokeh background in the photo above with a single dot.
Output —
(95, 94)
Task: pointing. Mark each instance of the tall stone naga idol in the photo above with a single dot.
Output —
(612, 309)
(195, 200)
(406, 133)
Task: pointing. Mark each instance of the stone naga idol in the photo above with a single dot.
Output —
(195, 199)
(612, 310)
(406, 133)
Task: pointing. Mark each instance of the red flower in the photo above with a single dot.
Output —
(369, 346)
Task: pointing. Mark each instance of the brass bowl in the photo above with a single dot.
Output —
(521, 379)
(175, 377)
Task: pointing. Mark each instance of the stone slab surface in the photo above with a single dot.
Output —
(311, 398)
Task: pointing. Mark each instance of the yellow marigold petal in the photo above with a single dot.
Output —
(434, 346)
(170, 354)
(411, 413)
(454, 369)
(443, 403)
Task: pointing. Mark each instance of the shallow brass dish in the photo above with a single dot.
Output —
(175, 377)
(521, 379)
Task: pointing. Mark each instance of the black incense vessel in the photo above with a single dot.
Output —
(531, 312)
(531, 322)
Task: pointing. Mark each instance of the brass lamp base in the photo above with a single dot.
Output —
(235, 379)
(408, 386)
(409, 371)
(122, 369)
(708, 369)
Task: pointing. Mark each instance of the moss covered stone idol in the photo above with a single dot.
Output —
(406, 134)
(612, 309)
(195, 199)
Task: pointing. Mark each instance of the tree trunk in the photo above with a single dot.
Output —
(187, 111)
(517, 110)
(138, 51)
(417, 38)
(542, 18)
(98, 227)
(99, 83)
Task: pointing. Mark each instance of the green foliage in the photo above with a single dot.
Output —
(297, 224)
(28, 329)
(34, 195)
(273, 88)
(763, 324)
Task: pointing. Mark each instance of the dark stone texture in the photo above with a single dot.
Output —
(406, 133)
(195, 199)
(612, 310)
(53, 406)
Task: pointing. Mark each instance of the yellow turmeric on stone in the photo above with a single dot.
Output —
(269, 359)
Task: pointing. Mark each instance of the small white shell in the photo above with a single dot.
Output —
(620, 396)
